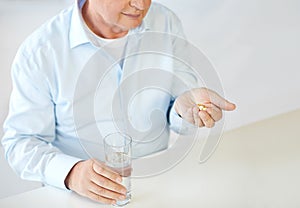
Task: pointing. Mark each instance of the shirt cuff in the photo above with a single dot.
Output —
(178, 124)
(58, 169)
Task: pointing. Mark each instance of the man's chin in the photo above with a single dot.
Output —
(130, 27)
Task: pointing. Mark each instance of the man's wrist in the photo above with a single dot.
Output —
(68, 179)
(176, 109)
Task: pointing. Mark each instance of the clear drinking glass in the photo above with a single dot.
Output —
(117, 148)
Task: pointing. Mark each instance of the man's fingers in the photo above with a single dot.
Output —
(108, 184)
(99, 198)
(213, 97)
(214, 112)
(206, 119)
(102, 191)
(220, 101)
(94, 180)
(107, 179)
(197, 120)
(106, 172)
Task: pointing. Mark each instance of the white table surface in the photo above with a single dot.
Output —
(254, 166)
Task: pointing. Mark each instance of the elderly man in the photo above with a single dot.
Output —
(41, 141)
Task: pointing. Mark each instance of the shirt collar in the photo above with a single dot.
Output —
(78, 36)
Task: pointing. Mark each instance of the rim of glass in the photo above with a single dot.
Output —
(127, 138)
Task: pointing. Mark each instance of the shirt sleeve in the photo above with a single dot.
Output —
(30, 126)
(179, 125)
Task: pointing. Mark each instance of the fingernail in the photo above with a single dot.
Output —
(124, 191)
(122, 197)
(119, 180)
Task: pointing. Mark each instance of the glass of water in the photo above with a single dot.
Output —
(117, 148)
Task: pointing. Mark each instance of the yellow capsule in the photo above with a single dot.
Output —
(201, 107)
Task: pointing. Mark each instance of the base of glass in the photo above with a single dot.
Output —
(124, 202)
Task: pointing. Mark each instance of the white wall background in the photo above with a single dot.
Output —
(254, 45)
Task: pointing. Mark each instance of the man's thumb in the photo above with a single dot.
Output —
(221, 102)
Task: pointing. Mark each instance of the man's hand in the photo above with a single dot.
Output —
(96, 181)
(186, 105)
